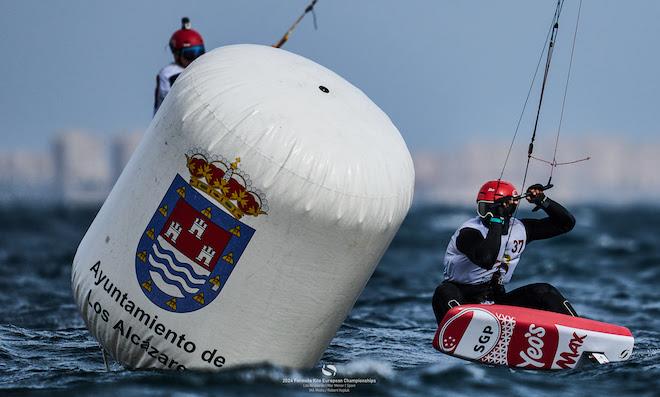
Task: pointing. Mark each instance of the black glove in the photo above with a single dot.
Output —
(536, 196)
(500, 210)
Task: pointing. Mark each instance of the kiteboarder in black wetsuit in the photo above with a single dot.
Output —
(483, 253)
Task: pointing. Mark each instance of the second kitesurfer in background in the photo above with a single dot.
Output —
(483, 253)
(186, 45)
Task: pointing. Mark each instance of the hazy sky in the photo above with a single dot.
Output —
(445, 71)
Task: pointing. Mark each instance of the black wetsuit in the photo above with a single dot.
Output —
(484, 251)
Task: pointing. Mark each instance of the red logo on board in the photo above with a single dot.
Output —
(568, 358)
(533, 347)
(453, 331)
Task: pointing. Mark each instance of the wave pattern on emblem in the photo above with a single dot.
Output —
(170, 278)
(177, 268)
(167, 248)
(169, 289)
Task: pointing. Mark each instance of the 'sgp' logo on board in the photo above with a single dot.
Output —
(471, 334)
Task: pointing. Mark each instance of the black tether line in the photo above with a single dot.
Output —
(563, 102)
(548, 60)
(550, 41)
(522, 112)
(309, 8)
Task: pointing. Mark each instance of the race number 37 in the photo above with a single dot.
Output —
(517, 245)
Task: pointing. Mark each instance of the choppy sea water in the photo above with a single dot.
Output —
(609, 266)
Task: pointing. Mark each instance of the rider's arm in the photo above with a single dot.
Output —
(481, 251)
(162, 88)
(157, 97)
(558, 221)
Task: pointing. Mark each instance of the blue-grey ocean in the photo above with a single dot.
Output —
(609, 266)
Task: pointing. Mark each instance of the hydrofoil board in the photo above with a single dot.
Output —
(525, 338)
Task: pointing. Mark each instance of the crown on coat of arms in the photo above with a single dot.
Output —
(226, 183)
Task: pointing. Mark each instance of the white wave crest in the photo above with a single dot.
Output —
(365, 367)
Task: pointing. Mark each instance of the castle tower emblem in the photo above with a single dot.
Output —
(198, 227)
(173, 231)
(205, 255)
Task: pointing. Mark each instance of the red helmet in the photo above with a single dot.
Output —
(185, 37)
(493, 190)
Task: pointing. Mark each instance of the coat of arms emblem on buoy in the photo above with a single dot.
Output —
(191, 245)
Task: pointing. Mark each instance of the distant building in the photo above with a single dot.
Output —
(81, 169)
(121, 150)
(26, 176)
(82, 172)
(619, 171)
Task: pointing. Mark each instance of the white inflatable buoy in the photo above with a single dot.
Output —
(249, 219)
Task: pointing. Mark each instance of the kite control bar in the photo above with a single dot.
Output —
(527, 194)
(524, 195)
